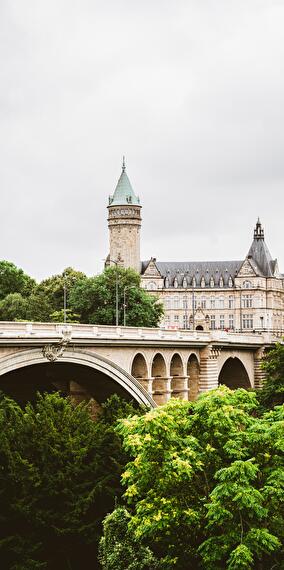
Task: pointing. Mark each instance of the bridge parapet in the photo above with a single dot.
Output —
(81, 331)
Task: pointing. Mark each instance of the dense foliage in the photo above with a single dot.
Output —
(204, 489)
(59, 476)
(89, 299)
(95, 299)
(272, 393)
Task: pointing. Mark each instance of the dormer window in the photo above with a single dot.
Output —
(221, 282)
(184, 283)
(202, 282)
(167, 283)
(247, 284)
(230, 282)
(193, 282)
(175, 283)
(212, 283)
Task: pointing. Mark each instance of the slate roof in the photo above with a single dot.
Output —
(260, 253)
(124, 193)
(198, 269)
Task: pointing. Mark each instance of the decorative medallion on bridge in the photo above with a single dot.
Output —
(54, 351)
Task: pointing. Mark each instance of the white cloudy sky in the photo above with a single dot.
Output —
(191, 91)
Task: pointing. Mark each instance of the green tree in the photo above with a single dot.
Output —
(53, 287)
(95, 299)
(272, 393)
(59, 476)
(205, 487)
(14, 280)
(13, 307)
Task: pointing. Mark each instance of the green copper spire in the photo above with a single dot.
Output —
(124, 194)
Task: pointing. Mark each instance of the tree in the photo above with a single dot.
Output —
(272, 393)
(53, 287)
(14, 280)
(95, 299)
(205, 487)
(13, 307)
(59, 476)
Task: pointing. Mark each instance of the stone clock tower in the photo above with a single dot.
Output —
(124, 222)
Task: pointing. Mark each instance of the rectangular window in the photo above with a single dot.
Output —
(212, 322)
(212, 303)
(176, 319)
(247, 301)
(221, 303)
(185, 303)
(247, 321)
(231, 322)
(167, 303)
(231, 302)
(203, 303)
(222, 321)
(176, 302)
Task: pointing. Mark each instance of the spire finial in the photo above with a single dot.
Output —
(258, 231)
(123, 164)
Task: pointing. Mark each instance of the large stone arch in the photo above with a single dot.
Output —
(126, 381)
(234, 374)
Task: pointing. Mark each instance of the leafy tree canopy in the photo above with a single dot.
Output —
(53, 287)
(14, 280)
(272, 393)
(59, 476)
(205, 488)
(95, 299)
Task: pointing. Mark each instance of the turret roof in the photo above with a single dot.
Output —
(260, 253)
(124, 193)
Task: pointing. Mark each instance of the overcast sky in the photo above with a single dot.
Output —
(191, 91)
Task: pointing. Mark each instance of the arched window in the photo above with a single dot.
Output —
(212, 283)
(230, 282)
(221, 282)
(193, 282)
(151, 286)
(184, 283)
(202, 282)
(247, 284)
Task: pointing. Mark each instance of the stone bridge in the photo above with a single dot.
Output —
(147, 365)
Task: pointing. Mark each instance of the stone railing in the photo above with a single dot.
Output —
(80, 331)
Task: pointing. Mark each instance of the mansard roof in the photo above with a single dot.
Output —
(178, 271)
(260, 253)
(124, 193)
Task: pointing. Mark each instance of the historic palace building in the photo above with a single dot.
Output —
(244, 295)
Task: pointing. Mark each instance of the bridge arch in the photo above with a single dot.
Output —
(160, 379)
(234, 374)
(193, 373)
(178, 378)
(107, 370)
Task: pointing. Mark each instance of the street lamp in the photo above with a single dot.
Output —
(116, 290)
(126, 288)
(64, 300)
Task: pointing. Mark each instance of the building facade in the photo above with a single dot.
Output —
(244, 295)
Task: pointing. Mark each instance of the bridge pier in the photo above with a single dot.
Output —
(259, 373)
(209, 372)
(161, 391)
(179, 387)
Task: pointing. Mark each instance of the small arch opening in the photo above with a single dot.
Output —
(139, 370)
(160, 380)
(178, 387)
(193, 373)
